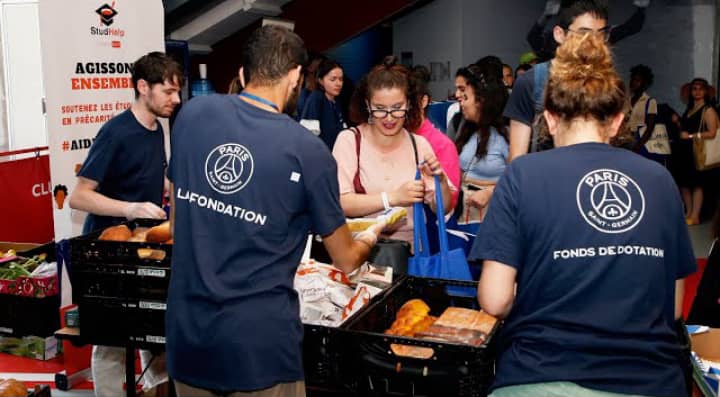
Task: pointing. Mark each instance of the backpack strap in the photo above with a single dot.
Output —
(541, 72)
(357, 185)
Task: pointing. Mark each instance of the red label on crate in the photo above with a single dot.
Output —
(31, 287)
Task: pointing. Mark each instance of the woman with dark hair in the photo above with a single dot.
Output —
(700, 121)
(321, 113)
(442, 145)
(454, 115)
(482, 142)
(378, 160)
(585, 250)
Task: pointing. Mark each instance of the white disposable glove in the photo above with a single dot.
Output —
(552, 7)
(143, 210)
(641, 3)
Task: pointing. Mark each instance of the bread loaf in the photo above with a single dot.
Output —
(411, 318)
(159, 233)
(116, 233)
(12, 388)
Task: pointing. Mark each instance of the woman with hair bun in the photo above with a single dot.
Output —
(377, 161)
(585, 249)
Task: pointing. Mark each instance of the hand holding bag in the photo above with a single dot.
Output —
(706, 151)
(446, 264)
(659, 142)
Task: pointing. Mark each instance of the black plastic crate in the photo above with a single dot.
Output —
(114, 269)
(322, 352)
(118, 322)
(117, 280)
(25, 316)
(321, 356)
(369, 367)
(88, 249)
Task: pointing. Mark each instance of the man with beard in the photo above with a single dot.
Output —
(123, 178)
(249, 183)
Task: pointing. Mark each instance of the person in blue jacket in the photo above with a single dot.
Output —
(322, 114)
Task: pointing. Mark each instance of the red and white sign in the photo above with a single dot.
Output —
(26, 200)
(88, 48)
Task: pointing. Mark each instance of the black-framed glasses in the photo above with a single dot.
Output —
(604, 32)
(383, 113)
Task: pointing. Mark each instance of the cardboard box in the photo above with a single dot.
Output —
(707, 346)
(30, 347)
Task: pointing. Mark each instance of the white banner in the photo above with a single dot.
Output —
(88, 48)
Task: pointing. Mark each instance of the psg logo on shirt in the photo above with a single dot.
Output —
(229, 168)
(610, 201)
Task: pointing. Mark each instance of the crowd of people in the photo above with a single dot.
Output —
(559, 231)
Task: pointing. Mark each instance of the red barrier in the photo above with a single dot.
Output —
(26, 198)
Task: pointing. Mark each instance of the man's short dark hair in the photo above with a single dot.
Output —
(156, 68)
(270, 53)
(596, 8)
(644, 72)
(60, 188)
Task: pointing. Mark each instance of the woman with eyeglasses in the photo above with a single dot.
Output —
(700, 121)
(482, 142)
(378, 160)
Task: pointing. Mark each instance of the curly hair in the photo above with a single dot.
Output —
(490, 96)
(583, 81)
(387, 75)
(644, 72)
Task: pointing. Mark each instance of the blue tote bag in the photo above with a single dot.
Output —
(446, 264)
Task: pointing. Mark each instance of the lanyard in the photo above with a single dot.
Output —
(261, 100)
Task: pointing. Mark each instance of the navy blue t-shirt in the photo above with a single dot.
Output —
(598, 237)
(318, 107)
(128, 162)
(521, 104)
(248, 186)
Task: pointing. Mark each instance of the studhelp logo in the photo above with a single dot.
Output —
(229, 168)
(107, 13)
(610, 201)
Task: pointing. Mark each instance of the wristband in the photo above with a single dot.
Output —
(385, 200)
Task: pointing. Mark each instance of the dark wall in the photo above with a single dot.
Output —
(322, 24)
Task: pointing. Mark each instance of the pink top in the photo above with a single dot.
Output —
(445, 151)
(381, 171)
